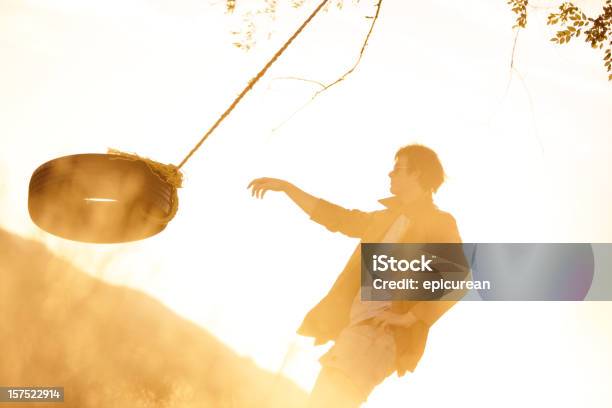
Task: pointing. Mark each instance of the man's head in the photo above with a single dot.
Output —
(417, 172)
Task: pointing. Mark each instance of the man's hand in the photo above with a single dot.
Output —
(386, 319)
(304, 200)
(263, 184)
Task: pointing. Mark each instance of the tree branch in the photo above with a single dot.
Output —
(341, 77)
(312, 81)
(361, 52)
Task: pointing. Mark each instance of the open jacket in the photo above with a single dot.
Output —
(428, 224)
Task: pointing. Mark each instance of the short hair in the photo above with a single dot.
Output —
(425, 160)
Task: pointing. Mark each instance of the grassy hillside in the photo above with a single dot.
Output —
(112, 346)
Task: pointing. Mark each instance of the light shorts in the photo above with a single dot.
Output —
(365, 354)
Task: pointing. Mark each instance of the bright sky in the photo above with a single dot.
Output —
(530, 164)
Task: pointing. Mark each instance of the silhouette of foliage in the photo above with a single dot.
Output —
(573, 23)
(256, 14)
(520, 8)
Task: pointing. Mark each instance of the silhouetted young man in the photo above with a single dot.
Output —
(373, 338)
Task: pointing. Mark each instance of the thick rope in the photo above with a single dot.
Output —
(252, 82)
(170, 173)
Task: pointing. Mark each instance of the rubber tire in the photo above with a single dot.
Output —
(61, 190)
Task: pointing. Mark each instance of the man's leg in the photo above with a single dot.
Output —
(334, 389)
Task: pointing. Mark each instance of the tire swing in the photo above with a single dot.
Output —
(117, 197)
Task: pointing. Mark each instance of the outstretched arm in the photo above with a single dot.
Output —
(333, 217)
(303, 200)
